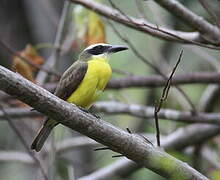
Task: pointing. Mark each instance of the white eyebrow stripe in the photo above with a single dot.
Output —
(94, 45)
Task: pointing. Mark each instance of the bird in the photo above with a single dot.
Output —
(81, 83)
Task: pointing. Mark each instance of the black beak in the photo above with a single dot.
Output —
(116, 48)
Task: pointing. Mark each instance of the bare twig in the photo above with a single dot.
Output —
(136, 110)
(163, 98)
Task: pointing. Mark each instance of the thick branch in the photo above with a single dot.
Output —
(210, 31)
(132, 146)
(157, 81)
(177, 140)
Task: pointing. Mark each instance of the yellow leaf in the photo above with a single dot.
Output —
(89, 27)
(95, 30)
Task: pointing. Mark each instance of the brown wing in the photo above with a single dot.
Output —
(71, 79)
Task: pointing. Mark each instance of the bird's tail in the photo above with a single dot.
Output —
(42, 134)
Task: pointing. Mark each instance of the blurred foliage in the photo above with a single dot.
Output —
(22, 67)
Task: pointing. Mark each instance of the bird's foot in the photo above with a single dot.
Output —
(87, 111)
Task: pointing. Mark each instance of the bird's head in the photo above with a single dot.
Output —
(100, 50)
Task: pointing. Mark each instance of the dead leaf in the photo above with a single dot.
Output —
(22, 67)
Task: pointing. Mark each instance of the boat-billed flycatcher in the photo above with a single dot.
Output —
(81, 83)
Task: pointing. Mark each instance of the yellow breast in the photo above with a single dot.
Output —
(94, 82)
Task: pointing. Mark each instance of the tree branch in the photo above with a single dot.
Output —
(177, 140)
(130, 145)
(16, 156)
(158, 81)
(209, 31)
(136, 110)
(138, 24)
(155, 81)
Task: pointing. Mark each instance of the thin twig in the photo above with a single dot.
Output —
(163, 98)
(20, 136)
(128, 130)
(155, 68)
(142, 136)
(116, 156)
(101, 148)
(148, 141)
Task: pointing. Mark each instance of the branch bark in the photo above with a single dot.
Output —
(178, 140)
(138, 24)
(132, 146)
(209, 31)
